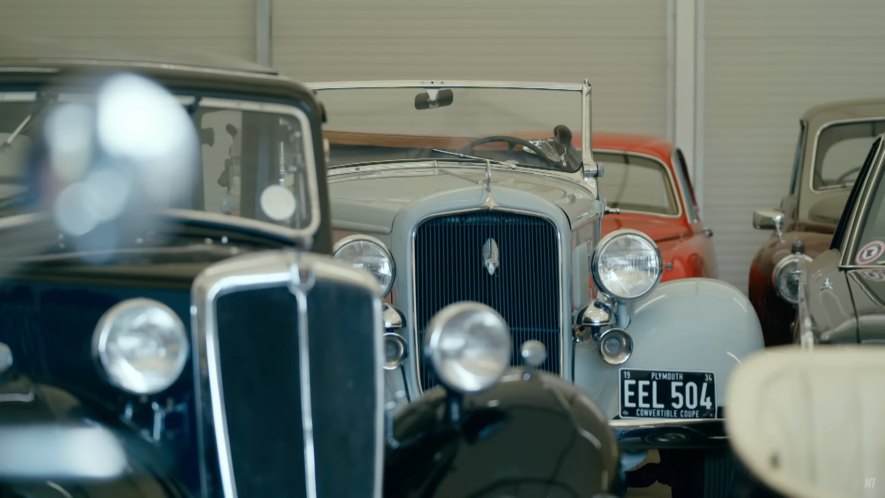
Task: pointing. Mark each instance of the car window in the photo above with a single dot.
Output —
(871, 245)
(841, 149)
(636, 183)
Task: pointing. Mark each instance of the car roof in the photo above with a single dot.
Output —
(631, 142)
(845, 109)
(45, 53)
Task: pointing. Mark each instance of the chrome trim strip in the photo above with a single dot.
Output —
(18, 96)
(666, 169)
(61, 63)
(253, 271)
(513, 85)
(586, 126)
(817, 133)
(565, 338)
(302, 280)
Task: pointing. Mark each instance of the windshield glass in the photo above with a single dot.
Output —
(528, 127)
(256, 158)
(841, 149)
(636, 183)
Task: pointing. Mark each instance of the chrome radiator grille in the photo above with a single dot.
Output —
(451, 256)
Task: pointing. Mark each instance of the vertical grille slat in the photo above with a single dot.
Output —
(449, 267)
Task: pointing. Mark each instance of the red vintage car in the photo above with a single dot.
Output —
(646, 183)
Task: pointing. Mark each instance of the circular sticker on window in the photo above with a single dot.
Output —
(278, 203)
(870, 252)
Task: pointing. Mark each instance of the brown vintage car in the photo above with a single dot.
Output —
(834, 139)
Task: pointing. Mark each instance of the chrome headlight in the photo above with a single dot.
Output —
(469, 346)
(368, 253)
(785, 276)
(627, 264)
(141, 345)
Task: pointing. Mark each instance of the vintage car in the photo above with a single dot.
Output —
(171, 327)
(842, 291)
(805, 424)
(434, 191)
(647, 188)
(833, 141)
(169, 313)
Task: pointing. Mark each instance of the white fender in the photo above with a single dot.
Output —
(687, 325)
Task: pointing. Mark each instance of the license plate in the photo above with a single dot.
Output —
(667, 394)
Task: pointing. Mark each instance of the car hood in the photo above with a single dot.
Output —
(659, 229)
(868, 295)
(369, 199)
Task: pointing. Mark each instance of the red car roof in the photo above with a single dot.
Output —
(633, 143)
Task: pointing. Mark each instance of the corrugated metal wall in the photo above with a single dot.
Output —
(217, 26)
(765, 64)
(620, 45)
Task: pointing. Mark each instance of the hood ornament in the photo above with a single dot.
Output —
(491, 256)
(488, 202)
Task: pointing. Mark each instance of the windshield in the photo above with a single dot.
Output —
(530, 127)
(841, 149)
(636, 183)
(256, 158)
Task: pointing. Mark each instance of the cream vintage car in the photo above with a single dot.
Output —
(454, 191)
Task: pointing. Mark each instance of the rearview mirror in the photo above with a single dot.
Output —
(433, 98)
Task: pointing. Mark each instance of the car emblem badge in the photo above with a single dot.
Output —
(491, 256)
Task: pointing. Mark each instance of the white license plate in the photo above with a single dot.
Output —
(667, 394)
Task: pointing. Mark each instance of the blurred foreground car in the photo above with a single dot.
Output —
(806, 424)
(833, 141)
(647, 188)
(842, 291)
(434, 191)
(187, 353)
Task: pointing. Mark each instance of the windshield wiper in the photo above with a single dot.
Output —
(41, 104)
(510, 164)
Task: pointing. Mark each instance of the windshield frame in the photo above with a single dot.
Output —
(222, 101)
(861, 211)
(588, 166)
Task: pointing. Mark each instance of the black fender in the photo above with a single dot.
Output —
(532, 434)
(42, 459)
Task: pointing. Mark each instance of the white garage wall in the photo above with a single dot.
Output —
(219, 26)
(620, 45)
(765, 64)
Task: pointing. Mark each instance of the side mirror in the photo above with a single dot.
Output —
(768, 219)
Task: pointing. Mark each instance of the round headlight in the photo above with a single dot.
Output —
(627, 264)
(141, 345)
(785, 276)
(469, 346)
(368, 253)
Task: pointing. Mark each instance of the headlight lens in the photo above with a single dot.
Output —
(142, 346)
(627, 264)
(786, 276)
(469, 346)
(369, 254)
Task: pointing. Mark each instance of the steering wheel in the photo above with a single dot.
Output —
(844, 176)
(511, 143)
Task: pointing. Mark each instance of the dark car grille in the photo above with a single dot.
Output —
(262, 389)
(524, 289)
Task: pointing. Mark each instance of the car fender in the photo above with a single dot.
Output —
(688, 325)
